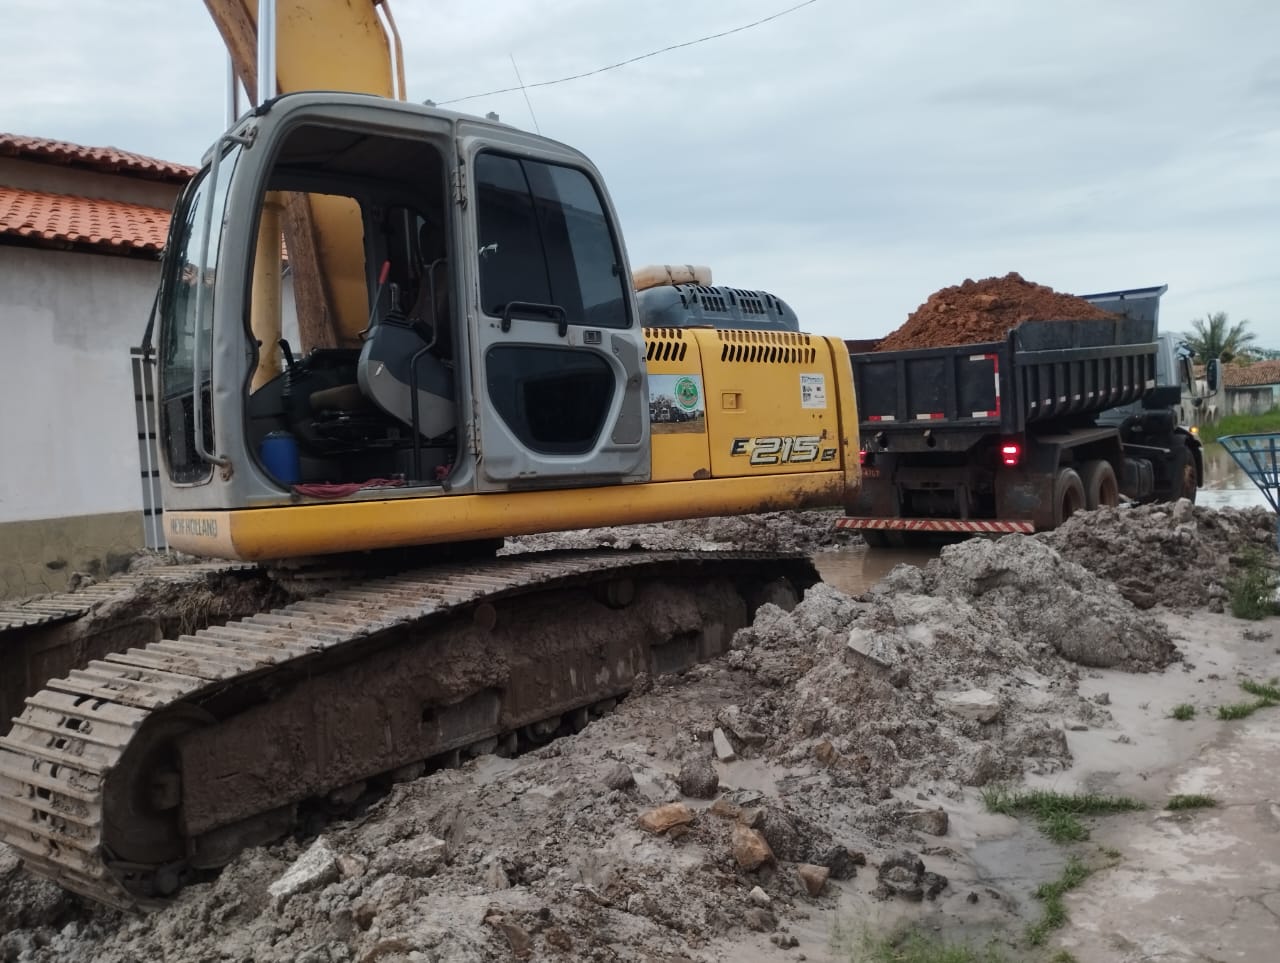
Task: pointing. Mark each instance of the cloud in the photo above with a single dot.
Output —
(851, 158)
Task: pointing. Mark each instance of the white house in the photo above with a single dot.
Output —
(81, 231)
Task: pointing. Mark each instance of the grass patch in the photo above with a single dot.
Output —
(1242, 710)
(1251, 591)
(1062, 956)
(1191, 801)
(1055, 914)
(1183, 712)
(1241, 425)
(1058, 814)
(914, 947)
(1111, 852)
(1270, 693)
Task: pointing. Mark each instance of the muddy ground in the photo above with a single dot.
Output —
(821, 779)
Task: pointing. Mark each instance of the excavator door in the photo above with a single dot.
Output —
(557, 360)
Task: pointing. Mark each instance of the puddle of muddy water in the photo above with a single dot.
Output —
(1226, 485)
(854, 570)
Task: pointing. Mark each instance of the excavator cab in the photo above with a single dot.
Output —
(368, 299)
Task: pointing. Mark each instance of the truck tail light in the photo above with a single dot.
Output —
(862, 456)
(1010, 452)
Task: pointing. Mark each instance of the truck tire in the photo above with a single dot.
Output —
(1185, 481)
(1068, 495)
(1101, 490)
(874, 537)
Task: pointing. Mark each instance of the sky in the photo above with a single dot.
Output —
(850, 157)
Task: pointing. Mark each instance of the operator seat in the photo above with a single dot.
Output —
(398, 346)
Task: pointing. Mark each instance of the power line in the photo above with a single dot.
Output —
(624, 63)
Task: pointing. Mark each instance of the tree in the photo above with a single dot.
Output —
(1215, 337)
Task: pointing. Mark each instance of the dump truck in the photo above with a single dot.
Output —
(1015, 435)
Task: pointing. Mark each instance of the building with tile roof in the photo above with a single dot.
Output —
(1251, 389)
(108, 160)
(1251, 375)
(81, 234)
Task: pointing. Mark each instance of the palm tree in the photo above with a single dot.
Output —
(1214, 337)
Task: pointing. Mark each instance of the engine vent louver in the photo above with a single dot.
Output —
(665, 344)
(767, 347)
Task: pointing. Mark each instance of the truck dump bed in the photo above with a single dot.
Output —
(1043, 370)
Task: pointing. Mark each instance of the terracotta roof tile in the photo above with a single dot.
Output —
(108, 159)
(84, 222)
(1251, 375)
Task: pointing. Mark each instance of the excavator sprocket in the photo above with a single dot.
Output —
(129, 777)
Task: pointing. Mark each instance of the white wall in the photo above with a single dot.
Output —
(68, 437)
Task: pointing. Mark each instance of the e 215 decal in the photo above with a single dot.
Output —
(782, 449)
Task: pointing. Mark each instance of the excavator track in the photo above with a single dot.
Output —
(63, 606)
(124, 780)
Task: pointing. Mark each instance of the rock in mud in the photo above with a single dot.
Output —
(759, 897)
(351, 865)
(976, 704)
(870, 651)
(315, 868)
(740, 726)
(725, 809)
(619, 777)
(901, 875)
(842, 862)
(814, 878)
(720, 743)
(750, 850)
(760, 919)
(664, 818)
(932, 821)
(791, 837)
(978, 766)
(413, 858)
(518, 938)
(933, 884)
(698, 778)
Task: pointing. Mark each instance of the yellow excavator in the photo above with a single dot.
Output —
(446, 349)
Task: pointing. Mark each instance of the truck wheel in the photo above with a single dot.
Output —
(1184, 476)
(1101, 490)
(874, 538)
(1068, 495)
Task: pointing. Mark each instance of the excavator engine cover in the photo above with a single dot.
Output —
(714, 306)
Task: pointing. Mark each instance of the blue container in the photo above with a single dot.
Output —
(279, 453)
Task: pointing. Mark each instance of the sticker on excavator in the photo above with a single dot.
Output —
(813, 391)
(677, 404)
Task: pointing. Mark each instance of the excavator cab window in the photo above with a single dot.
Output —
(373, 324)
(544, 239)
(547, 253)
(186, 336)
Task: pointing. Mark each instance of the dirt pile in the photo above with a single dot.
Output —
(826, 715)
(792, 531)
(983, 311)
(961, 672)
(1181, 556)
